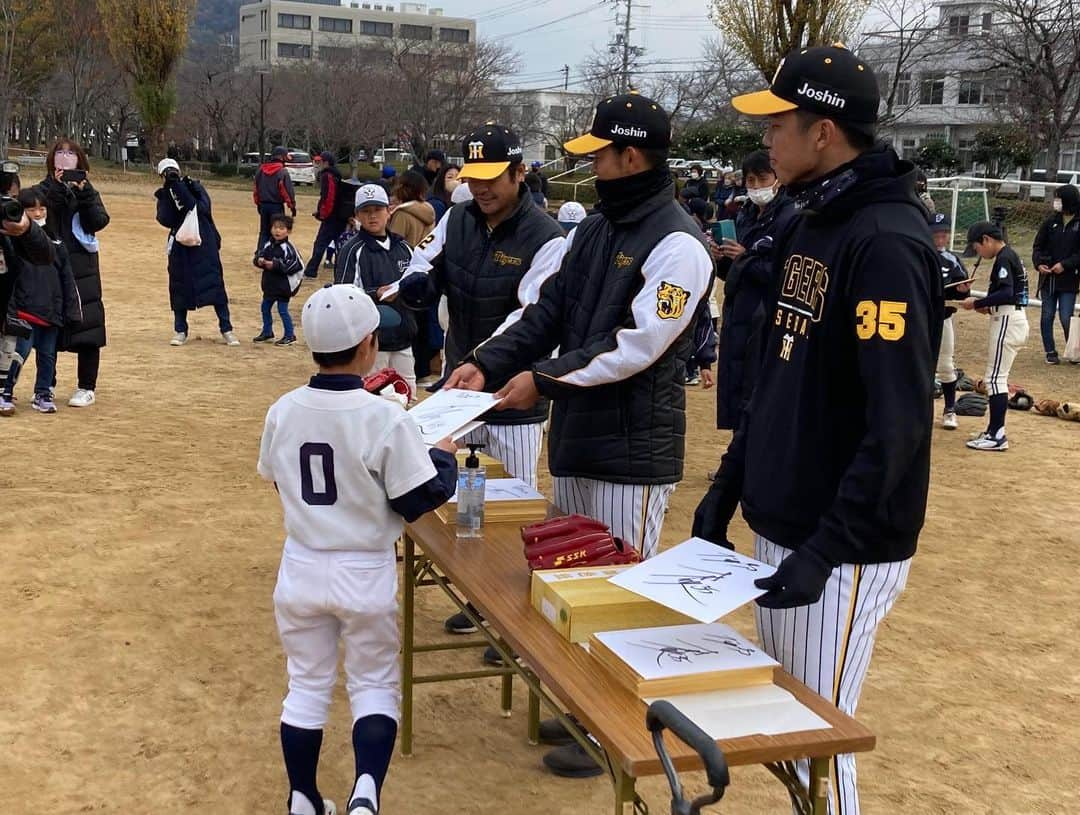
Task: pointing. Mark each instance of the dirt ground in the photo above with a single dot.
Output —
(140, 551)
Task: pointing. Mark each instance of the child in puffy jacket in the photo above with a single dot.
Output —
(282, 274)
(43, 300)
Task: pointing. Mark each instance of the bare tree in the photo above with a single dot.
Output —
(765, 30)
(1034, 46)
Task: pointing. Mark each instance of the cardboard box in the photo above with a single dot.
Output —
(580, 602)
(507, 500)
(492, 466)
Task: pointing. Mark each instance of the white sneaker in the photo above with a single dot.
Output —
(230, 338)
(948, 420)
(81, 398)
(995, 443)
(179, 338)
(329, 807)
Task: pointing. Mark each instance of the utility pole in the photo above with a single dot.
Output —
(566, 77)
(624, 81)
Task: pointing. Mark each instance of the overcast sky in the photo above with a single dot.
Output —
(551, 33)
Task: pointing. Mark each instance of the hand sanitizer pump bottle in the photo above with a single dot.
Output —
(472, 479)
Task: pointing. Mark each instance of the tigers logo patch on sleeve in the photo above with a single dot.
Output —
(670, 301)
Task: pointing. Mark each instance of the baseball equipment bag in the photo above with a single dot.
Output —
(1047, 407)
(1020, 400)
(389, 384)
(971, 404)
(1072, 347)
(1069, 411)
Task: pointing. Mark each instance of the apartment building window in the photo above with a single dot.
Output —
(453, 35)
(335, 25)
(557, 113)
(908, 148)
(987, 22)
(302, 21)
(903, 89)
(264, 50)
(263, 17)
(416, 32)
(376, 29)
(958, 25)
(964, 149)
(932, 89)
(292, 50)
(971, 90)
(334, 53)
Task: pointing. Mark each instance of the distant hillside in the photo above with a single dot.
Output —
(215, 17)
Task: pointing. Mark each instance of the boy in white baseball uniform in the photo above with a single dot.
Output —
(348, 466)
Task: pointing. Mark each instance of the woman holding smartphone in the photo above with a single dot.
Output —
(76, 214)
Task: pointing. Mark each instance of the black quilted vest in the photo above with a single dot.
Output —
(482, 271)
(629, 432)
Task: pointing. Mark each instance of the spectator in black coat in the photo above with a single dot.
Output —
(1056, 254)
(329, 212)
(746, 267)
(433, 162)
(76, 215)
(195, 275)
(696, 186)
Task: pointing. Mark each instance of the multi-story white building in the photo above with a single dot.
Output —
(543, 119)
(945, 91)
(273, 32)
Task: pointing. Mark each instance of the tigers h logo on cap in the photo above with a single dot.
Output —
(489, 152)
(828, 80)
(630, 119)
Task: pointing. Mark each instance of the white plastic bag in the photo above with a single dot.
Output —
(188, 233)
(1072, 347)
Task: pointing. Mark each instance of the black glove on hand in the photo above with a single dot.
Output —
(798, 581)
(714, 513)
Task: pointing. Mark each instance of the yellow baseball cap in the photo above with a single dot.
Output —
(489, 152)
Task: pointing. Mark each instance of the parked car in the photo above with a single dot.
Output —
(300, 168)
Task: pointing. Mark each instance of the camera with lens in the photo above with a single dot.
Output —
(10, 209)
(172, 175)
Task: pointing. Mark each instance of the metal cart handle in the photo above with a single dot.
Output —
(663, 714)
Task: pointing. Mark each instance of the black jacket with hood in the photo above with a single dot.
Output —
(833, 450)
(1058, 241)
(370, 263)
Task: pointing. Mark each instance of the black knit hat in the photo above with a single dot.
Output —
(1070, 198)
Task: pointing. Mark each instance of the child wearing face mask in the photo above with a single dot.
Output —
(45, 297)
(696, 186)
(1056, 253)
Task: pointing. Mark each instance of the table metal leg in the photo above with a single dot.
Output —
(626, 799)
(534, 717)
(407, 647)
(507, 691)
(819, 786)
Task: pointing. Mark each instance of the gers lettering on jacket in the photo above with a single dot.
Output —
(502, 259)
(805, 282)
(622, 261)
(820, 95)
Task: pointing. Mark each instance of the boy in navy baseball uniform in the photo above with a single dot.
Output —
(349, 467)
(1005, 302)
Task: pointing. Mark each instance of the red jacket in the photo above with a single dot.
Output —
(273, 185)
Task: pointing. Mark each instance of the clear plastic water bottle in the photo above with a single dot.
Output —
(472, 483)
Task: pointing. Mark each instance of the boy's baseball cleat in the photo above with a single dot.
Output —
(7, 406)
(1052, 358)
(286, 341)
(81, 398)
(984, 441)
(948, 420)
(43, 403)
(263, 338)
(460, 624)
(571, 761)
(179, 338)
(362, 806)
(230, 338)
(302, 803)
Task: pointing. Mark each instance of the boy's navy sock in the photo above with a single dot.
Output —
(999, 404)
(373, 745)
(301, 750)
(948, 389)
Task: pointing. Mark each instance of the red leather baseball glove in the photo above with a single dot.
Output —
(380, 381)
(587, 549)
(554, 528)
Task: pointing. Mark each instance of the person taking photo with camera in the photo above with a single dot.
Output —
(195, 275)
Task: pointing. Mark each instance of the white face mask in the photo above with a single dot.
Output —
(761, 196)
(1057, 205)
(695, 175)
(40, 221)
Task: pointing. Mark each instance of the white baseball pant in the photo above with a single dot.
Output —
(517, 446)
(827, 645)
(401, 361)
(635, 512)
(323, 597)
(1008, 333)
(946, 365)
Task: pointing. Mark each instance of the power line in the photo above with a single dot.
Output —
(552, 22)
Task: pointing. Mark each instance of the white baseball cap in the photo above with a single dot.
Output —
(167, 164)
(571, 213)
(371, 195)
(461, 193)
(339, 317)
